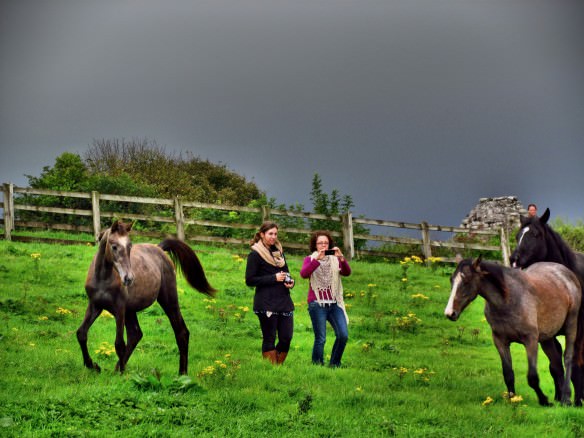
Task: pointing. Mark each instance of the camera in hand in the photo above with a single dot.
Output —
(288, 278)
(329, 252)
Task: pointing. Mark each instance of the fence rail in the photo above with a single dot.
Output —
(177, 217)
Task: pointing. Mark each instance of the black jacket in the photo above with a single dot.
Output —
(270, 294)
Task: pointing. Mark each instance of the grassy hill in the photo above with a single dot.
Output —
(408, 371)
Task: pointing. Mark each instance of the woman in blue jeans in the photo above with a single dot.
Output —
(324, 267)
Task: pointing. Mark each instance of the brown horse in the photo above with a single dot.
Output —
(538, 242)
(529, 307)
(124, 279)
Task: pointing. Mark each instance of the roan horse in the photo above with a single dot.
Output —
(538, 242)
(124, 279)
(528, 307)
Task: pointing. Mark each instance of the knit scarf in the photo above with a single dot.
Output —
(326, 282)
(274, 258)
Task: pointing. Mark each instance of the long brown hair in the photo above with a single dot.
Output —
(265, 227)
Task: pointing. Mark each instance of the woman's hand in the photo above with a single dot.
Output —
(280, 276)
(321, 254)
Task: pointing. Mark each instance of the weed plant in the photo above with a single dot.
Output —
(407, 371)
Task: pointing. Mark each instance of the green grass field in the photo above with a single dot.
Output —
(408, 371)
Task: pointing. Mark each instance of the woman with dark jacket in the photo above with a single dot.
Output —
(267, 271)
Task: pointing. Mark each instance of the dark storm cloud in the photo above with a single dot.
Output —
(415, 108)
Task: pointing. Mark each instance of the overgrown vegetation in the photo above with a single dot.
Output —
(408, 370)
(144, 169)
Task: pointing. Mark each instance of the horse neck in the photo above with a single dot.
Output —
(492, 293)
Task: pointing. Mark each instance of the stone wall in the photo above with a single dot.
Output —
(494, 213)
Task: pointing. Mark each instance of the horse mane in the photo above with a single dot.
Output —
(558, 250)
(495, 273)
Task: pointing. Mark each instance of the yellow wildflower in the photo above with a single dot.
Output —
(420, 296)
(516, 399)
(487, 401)
(106, 314)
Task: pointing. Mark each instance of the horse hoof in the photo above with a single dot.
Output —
(96, 367)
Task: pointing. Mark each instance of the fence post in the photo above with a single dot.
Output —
(96, 215)
(265, 213)
(505, 249)
(349, 243)
(179, 219)
(8, 210)
(426, 247)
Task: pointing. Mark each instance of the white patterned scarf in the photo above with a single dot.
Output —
(274, 258)
(326, 282)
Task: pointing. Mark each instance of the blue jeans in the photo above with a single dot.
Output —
(319, 316)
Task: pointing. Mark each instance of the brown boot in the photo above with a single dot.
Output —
(281, 357)
(270, 355)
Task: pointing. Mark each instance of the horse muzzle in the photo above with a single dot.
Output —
(128, 280)
(452, 316)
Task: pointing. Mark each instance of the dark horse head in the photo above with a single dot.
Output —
(537, 242)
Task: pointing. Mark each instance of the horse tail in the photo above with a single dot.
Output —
(185, 258)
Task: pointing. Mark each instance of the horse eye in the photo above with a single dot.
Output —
(114, 247)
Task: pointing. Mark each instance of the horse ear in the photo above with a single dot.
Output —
(545, 216)
(476, 264)
(523, 220)
(115, 226)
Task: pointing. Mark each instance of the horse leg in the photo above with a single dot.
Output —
(553, 350)
(573, 371)
(169, 303)
(133, 334)
(577, 382)
(120, 315)
(531, 346)
(91, 315)
(506, 363)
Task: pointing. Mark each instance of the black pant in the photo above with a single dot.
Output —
(282, 326)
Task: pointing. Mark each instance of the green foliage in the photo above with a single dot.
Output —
(408, 371)
(572, 234)
(138, 168)
(332, 205)
(68, 174)
(189, 177)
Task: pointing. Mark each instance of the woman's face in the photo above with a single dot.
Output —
(322, 243)
(269, 237)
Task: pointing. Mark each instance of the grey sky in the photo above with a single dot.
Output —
(416, 108)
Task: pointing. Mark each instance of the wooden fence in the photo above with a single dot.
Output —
(422, 245)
